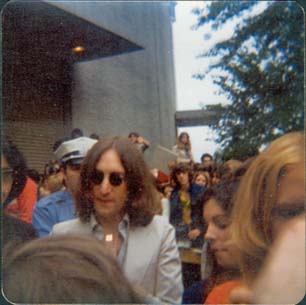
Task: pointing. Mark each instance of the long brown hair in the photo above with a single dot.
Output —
(142, 200)
(179, 168)
(180, 144)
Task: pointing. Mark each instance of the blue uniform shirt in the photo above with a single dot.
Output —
(51, 210)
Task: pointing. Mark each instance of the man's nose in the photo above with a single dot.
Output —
(105, 186)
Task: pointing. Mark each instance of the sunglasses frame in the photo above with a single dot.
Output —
(115, 178)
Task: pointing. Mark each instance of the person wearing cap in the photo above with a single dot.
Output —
(60, 206)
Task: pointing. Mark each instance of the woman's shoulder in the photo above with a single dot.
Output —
(221, 293)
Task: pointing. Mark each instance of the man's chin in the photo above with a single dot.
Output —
(107, 214)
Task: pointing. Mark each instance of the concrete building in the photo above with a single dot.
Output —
(119, 79)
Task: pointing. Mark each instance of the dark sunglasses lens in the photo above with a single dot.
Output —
(115, 179)
(97, 177)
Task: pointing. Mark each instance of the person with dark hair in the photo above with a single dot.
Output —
(34, 175)
(141, 143)
(61, 270)
(60, 206)
(219, 263)
(217, 172)
(184, 214)
(52, 180)
(206, 161)
(94, 136)
(167, 190)
(58, 142)
(16, 231)
(117, 204)
(19, 192)
(76, 133)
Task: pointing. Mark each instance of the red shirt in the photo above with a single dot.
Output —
(220, 294)
(22, 206)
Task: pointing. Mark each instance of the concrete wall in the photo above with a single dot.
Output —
(130, 92)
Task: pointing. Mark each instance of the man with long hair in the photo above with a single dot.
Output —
(117, 204)
(185, 214)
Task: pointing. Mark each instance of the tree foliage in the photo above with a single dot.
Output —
(260, 69)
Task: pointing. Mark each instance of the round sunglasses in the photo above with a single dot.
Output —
(115, 179)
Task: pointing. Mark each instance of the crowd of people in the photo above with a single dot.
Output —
(100, 226)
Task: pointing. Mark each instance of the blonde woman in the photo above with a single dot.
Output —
(201, 178)
(182, 149)
(270, 194)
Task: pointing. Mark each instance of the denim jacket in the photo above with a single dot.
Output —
(176, 210)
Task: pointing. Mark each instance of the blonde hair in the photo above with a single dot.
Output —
(256, 197)
(204, 174)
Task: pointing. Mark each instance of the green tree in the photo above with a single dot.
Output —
(260, 69)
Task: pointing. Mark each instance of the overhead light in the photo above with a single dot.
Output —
(78, 49)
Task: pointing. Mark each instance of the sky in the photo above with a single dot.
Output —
(190, 92)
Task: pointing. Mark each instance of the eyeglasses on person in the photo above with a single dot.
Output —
(115, 178)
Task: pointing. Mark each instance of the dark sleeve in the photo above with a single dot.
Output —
(194, 293)
(16, 230)
(196, 208)
(175, 209)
